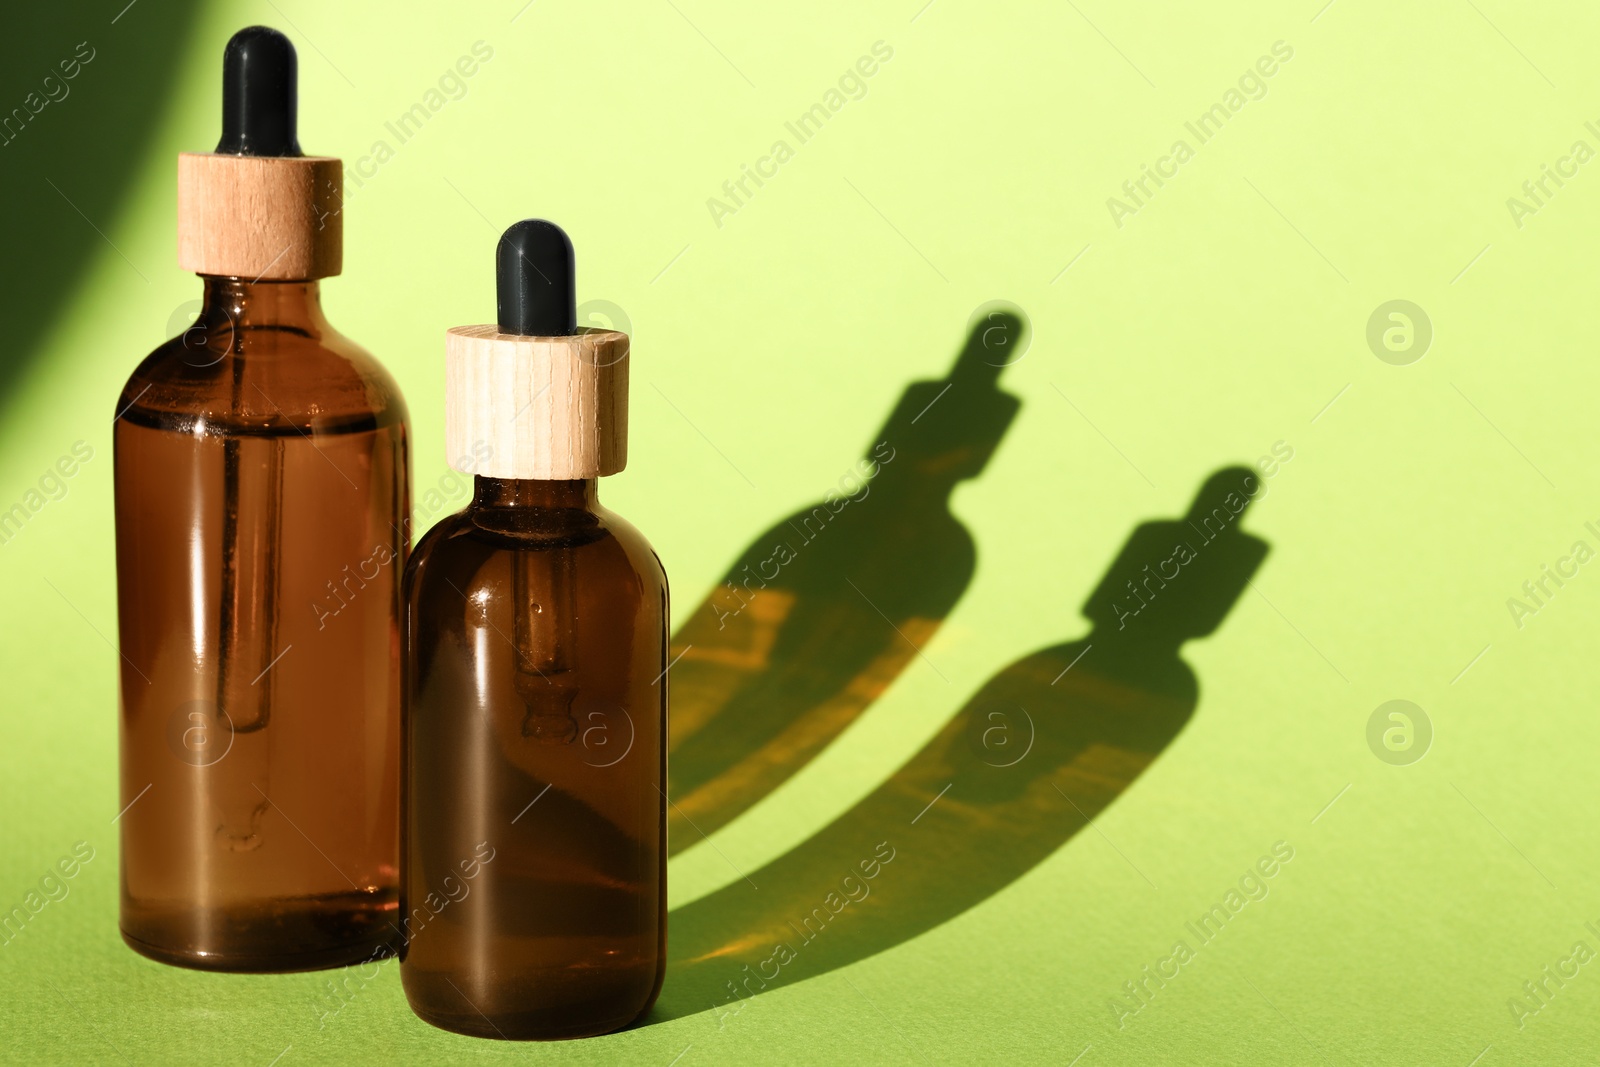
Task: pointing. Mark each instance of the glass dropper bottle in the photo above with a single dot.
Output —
(261, 467)
(534, 866)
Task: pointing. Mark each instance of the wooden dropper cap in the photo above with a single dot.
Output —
(550, 401)
(257, 207)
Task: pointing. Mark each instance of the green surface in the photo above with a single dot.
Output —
(1228, 313)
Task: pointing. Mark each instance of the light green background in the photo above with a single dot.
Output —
(1223, 317)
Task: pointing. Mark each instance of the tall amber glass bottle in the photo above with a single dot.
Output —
(534, 868)
(261, 503)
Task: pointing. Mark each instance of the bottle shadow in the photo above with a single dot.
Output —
(826, 608)
(1041, 749)
(86, 135)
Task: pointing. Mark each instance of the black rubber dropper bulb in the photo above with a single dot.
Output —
(258, 95)
(533, 280)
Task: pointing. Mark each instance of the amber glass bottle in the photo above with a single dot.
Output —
(261, 503)
(534, 867)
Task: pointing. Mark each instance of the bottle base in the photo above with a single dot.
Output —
(544, 1004)
(277, 963)
(531, 1026)
(309, 935)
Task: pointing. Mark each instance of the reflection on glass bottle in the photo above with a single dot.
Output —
(1043, 747)
(825, 609)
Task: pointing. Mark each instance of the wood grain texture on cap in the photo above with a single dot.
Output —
(550, 408)
(274, 218)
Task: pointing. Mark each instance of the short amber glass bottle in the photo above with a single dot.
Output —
(535, 729)
(533, 899)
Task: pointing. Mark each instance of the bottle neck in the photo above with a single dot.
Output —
(237, 303)
(582, 494)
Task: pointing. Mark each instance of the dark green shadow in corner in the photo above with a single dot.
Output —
(71, 150)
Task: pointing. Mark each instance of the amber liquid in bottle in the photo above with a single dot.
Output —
(534, 900)
(262, 510)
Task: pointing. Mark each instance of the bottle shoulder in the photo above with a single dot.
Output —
(261, 378)
(466, 545)
(636, 545)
